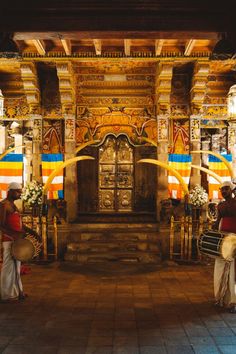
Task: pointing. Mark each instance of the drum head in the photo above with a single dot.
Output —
(228, 247)
(22, 250)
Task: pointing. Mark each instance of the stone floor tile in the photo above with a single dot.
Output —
(125, 341)
(99, 350)
(152, 350)
(4, 340)
(228, 349)
(179, 349)
(149, 340)
(225, 340)
(71, 350)
(222, 332)
(125, 350)
(205, 349)
(100, 341)
(201, 340)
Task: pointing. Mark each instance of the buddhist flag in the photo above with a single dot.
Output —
(49, 163)
(11, 170)
(219, 167)
(182, 164)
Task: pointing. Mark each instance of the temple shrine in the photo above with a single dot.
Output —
(116, 96)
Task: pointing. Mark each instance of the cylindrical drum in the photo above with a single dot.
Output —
(217, 244)
(25, 249)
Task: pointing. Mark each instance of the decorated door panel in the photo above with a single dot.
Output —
(116, 175)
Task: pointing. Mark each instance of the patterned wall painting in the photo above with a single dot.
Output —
(134, 123)
(180, 137)
(52, 136)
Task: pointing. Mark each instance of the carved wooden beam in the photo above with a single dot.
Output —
(31, 86)
(66, 43)
(98, 46)
(163, 86)
(40, 46)
(65, 75)
(127, 43)
(199, 85)
(189, 47)
(158, 46)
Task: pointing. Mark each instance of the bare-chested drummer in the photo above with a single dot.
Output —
(224, 272)
(11, 288)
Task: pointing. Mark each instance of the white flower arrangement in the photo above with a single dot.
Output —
(32, 194)
(198, 196)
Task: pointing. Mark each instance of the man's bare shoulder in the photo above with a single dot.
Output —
(7, 205)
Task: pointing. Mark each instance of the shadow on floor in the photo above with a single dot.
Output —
(109, 268)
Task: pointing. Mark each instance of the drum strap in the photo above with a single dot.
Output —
(223, 284)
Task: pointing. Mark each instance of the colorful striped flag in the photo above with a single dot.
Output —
(49, 163)
(219, 167)
(182, 164)
(11, 170)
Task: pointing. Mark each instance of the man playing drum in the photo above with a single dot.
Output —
(12, 229)
(224, 272)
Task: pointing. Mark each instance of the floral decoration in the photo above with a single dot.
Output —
(32, 193)
(198, 196)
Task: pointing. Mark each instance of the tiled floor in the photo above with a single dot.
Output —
(120, 309)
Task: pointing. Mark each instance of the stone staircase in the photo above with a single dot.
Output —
(117, 242)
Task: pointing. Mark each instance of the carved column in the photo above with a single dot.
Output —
(70, 184)
(198, 93)
(31, 87)
(163, 91)
(232, 142)
(67, 94)
(195, 144)
(37, 147)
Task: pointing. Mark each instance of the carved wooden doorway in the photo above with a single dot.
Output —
(116, 175)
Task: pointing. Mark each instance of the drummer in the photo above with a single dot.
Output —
(11, 288)
(224, 272)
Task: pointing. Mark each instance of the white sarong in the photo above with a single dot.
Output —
(11, 285)
(224, 282)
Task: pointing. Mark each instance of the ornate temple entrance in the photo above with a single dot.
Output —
(114, 182)
(116, 178)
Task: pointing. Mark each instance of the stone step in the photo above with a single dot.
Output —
(113, 236)
(124, 242)
(127, 257)
(122, 227)
(117, 217)
(102, 246)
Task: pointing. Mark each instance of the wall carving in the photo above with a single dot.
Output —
(52, 136)
(136, 123)
(110, 101)
(16, 108)
(180, 137)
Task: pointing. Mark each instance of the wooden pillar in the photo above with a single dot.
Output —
(37, 147)
(162, 101)
(70, 182)
(195, 144)
(232, 142)
(162, 155)
(197, 94)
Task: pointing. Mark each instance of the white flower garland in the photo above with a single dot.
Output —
(32, 193)
(198, 196)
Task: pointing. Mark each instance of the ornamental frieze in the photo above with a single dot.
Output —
(179, 111)
(135, 126)
(16, 108)
(109, 101)
(214, 111)
(52, 111)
